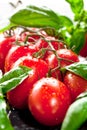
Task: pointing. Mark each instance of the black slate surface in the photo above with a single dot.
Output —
(23, 120)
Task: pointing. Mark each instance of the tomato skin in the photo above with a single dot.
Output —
(83, 51)
(57, 45)
(53, 62)
(41, 40)
(41, 43)
(75, 83)
(48, 101)
(66, 54)
(31, 37)
(18, 96)
(16, 52)
(5, 46)
(69, 56)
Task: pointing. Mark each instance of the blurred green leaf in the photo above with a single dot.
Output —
(33, 16)
(77, 40)
(13, 78)
(76, 5)
(5, 123)
(79, 68)
(77, 110)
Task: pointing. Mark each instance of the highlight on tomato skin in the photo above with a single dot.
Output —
(48, 101)
(75, 83)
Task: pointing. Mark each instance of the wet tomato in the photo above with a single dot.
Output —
(16, 52)
(61, 58)
(75, 83)
(48, 101)
(5, 46)
(44, 43)
(18, 96)
(30, 37)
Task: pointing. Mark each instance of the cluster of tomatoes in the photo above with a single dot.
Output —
(47, 92)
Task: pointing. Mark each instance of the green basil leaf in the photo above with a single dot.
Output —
(77, 110)
(77, 40)
(79, 68)
(33, 16)
(64, 21)
(6, 26)
(76, 5)
(82, 95)
(14, 77)
(5, 123)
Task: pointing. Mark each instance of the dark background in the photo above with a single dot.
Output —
(23, 120)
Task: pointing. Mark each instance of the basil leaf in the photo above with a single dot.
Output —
(5, 123)
(14, 77)
(76, 5)
(6, 26)
(33, 16)
(79, 68)
(64, 22)
(77, 40)
(77, 110)
(82, 95)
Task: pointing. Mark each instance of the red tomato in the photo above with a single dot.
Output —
(52, 64)
(41, 43)
(67, 57)
(5, 46)
(56, 74)
(75, 83)
(41, 40)
(48, 101)
(18, 96)
(83, 51)
(57, 45)
(31, 37)
(16, 52)
(64, 57)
